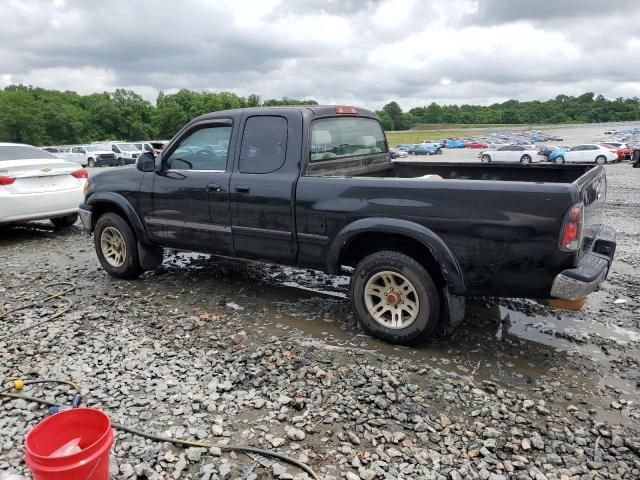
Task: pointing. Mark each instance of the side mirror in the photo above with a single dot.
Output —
(146, 162)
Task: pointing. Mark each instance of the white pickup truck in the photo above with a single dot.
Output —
(96, 155)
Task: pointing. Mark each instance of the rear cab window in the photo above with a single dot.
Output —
(341, 137)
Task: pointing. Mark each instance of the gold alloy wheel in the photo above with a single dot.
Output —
(391, 299)
(113, 247)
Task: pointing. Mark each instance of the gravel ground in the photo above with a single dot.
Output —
(234, 352)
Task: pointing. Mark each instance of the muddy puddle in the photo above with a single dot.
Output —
(515, 344)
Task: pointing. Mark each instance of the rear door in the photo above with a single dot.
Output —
(515, 153)
(263, 184)
(501, 153)
(590, 153)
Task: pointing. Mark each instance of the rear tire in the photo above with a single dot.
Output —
(601, 159)
(485, 159)
(117, 247)
(66, 221)
(402, 295)
(559, 160)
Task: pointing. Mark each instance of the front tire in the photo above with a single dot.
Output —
(601, 159)
(91, 162)
(559, 160)
(395, 298)
(485, 159)
(117, 247)
(120, 162)
(525, 159)
(66, 221)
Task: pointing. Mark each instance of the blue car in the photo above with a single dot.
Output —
(556, 153)
(453, 143)
(425, 149)
(405, 147)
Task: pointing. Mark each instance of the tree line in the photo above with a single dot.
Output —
(586, 108)
(50, 117)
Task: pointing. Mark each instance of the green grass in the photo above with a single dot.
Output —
(465, 126)
(416, 136)
(439, 131)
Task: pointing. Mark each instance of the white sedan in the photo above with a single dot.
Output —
(588, 153)
(511, 153)
(35, 185)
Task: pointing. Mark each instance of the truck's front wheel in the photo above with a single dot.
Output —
(116, 246)
(395, 298)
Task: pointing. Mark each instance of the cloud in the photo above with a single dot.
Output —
(503, 11)
(342, 51)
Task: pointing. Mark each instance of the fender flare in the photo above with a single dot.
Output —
(449, 265)
(124, 205)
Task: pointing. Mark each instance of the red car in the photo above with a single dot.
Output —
(476, 145)
(623, 151)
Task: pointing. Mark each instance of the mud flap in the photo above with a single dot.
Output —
(453, 311)
(149, 257)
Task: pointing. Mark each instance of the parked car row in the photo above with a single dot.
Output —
(106, 154)
(587, 153)
(424, 148)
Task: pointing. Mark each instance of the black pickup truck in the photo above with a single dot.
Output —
(315, 187)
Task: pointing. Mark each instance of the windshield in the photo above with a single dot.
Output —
(95, 148)
(22, 152)
(127, 147)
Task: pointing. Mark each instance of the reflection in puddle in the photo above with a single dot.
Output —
(533, 349)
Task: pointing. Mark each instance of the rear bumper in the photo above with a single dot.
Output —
(37, 206)
(84, 211)
(592, 270)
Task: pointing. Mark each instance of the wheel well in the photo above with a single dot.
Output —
(367, 243)
(101, 208)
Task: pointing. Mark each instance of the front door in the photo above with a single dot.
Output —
(262, 187)
(189, 204)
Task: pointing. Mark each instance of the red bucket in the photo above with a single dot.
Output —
(91, 426)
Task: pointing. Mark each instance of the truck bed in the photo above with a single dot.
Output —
(552, 173)
(499, 220)
(507, 172)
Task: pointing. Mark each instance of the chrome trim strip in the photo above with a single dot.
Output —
(193, 225)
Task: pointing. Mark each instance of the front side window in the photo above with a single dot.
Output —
(203, 149)
(346, 137)
(264, 144)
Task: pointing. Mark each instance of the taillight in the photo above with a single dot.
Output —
(346, 110)
(571, 233)
(7, 180)
(81, 173)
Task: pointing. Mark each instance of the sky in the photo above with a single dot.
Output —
(361, 52)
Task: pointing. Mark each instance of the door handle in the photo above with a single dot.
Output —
(214, 187)
(242, 188)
